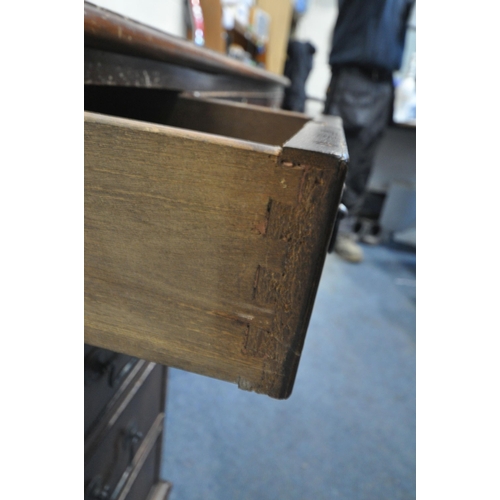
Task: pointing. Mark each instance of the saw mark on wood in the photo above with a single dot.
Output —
(261, 226)
(278, 226)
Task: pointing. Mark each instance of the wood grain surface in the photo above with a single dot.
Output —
(204, 252)
(241, 121)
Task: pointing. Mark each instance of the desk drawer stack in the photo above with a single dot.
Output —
(122, 444)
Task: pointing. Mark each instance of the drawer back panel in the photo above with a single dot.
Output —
(230, 119)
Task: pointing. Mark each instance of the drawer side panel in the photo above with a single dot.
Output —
(202, 253)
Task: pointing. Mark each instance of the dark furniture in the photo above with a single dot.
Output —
(124, 420)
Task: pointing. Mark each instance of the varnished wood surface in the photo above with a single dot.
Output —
(109, 69)
(203, 252)
(107, 30)
(253, 97)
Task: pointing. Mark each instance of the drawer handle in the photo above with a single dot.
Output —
(115, 380)
(96, 490)
(96, 368)
(133, 436)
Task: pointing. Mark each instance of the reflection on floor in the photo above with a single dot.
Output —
(348, 429)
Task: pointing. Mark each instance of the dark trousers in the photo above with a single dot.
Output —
(363, 99)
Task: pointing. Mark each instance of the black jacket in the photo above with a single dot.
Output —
(370, 33)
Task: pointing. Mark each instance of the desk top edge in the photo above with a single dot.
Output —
(108, 30)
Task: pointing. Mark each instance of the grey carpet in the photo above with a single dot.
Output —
(348, 429)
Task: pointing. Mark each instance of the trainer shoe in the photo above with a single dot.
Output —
(347, 248)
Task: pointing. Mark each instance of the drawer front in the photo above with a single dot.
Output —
(147, 477)
(141, 479)
(106, 374)
(204, 252)
(115, 451)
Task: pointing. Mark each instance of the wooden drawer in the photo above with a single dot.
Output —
(142, 482)
(107, 375)
(114, 449)
(204, 251)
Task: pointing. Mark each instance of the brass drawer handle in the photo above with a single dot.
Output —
(96, 491)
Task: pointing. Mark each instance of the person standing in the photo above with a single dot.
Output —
(367, 47)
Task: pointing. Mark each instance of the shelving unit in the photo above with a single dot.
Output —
(258, 47)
